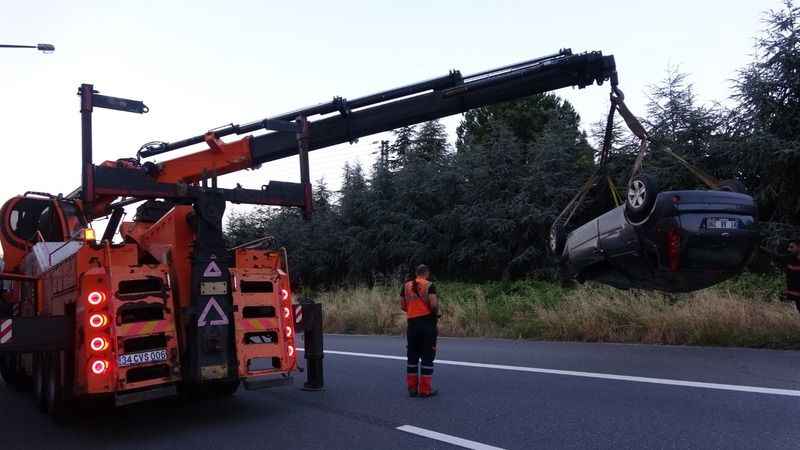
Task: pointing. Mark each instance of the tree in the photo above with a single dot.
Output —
(675, 121)
(766, 123)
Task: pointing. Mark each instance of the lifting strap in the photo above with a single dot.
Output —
(618, 105)
(638, 130)
(565, 216)
(614, 192)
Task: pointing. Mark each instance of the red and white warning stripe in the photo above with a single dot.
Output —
(5, 331)
(298, 314)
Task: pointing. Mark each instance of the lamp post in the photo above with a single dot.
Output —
(45, 48)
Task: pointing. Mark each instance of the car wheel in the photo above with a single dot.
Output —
(556, 241)
(732, 186)
(640, 198)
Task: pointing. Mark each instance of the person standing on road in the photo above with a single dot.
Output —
(792, 269)
(419, 301)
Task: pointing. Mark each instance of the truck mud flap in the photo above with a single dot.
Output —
(35, 334)
(127, 398)
(266, 381)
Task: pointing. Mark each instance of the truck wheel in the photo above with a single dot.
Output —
(24, 381)
(8, 369)
(39, 381)
(54, 390)
(224, 389)
(640, 198)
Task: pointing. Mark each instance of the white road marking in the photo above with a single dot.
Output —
(602, 376)
(466, 443)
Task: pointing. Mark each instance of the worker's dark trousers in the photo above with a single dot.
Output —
(422, 335)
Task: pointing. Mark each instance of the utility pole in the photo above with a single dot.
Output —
(44, 48)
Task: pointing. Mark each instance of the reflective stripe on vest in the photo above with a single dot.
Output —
(415, 305)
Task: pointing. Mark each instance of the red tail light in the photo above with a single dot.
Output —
(95, 298)
(99, 366)
(674, 249)
(98, 320)
(291, 351)
(98, 344)
(286, 312)
(288, 332)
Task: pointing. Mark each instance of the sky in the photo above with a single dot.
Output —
(202, 64)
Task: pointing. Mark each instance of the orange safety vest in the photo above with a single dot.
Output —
(417, 305)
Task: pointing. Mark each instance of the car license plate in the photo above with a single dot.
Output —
(134, 359)
(719, 223)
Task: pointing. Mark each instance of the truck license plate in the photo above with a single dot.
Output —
(134, 359)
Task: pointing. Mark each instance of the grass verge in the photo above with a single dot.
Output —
(745, 312)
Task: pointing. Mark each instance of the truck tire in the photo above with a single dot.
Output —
(224, 389)
(8, 369)
(54, 389)
(24, 381)
(39, 381)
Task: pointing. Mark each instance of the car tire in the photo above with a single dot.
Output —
(640, 197)
(732, 186)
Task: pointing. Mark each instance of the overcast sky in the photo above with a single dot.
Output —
(202, 64)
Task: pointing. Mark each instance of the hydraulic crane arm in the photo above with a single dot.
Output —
(334, 123)
(471, 92)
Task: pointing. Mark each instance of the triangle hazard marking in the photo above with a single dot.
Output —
(203, 320)
(212, 270)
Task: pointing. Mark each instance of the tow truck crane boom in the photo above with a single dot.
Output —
(337, 122)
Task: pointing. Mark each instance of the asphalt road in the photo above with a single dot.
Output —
(589, 396)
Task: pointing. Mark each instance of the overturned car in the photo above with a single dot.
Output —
(673, 241)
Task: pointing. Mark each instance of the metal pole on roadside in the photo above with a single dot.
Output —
(312, 341)
(44, 48)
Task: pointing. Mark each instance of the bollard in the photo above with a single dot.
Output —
(312, 337)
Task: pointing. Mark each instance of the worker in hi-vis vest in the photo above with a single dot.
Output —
(418, 299)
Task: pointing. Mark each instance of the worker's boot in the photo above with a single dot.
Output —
(425, 386)
(412, 381)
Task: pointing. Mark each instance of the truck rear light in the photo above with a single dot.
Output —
(98, 344)
(284, 294)
(674, 249)
(95, 298)
(286, 312)
(288, 331)
(89, 235)
(291, 350)
(99, 366)
(98, 320)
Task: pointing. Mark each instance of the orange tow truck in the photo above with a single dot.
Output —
(158, 304)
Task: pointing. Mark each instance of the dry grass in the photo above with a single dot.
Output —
(709, 317)
(735, 314)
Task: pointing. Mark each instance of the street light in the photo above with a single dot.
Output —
(45, 48)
